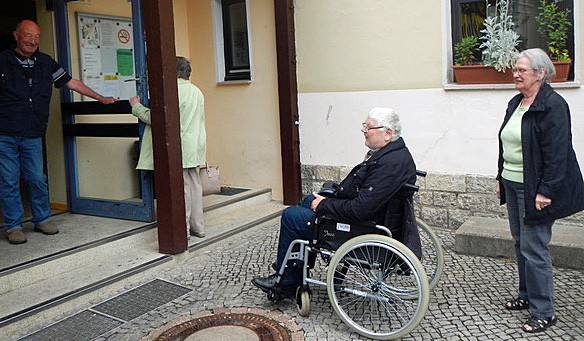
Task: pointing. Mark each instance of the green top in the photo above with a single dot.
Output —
(192, 128)
(512, 151)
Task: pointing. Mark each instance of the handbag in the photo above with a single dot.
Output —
(209, 176)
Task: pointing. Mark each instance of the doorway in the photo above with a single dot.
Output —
(10, 15)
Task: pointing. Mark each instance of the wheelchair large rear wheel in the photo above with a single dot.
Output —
(378, 287)
(432, 253)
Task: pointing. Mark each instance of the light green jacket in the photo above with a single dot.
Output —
(192, 128)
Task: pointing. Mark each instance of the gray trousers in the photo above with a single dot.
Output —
(534, 263)
(193, 199)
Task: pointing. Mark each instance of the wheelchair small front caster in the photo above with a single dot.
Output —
(303, 300)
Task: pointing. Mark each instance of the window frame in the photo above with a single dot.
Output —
(453, 32)
(224, 70)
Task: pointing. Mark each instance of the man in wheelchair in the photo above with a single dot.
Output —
(373, 191)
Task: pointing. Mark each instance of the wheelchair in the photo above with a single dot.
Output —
(375, 284)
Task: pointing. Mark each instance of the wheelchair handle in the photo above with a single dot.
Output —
(411, 187)
(421, 172)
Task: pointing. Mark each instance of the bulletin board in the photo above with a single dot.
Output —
(106, 53)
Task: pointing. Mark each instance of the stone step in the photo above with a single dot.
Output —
(48, 289)
(491, 237)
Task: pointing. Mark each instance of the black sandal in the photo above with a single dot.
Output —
(539, 325)
(517, 304)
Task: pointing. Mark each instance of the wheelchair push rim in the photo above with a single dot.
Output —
(378, 287)
(432, 253)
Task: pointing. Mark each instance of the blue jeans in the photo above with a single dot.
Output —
(534, 263)
(293, 226)
(22, 156)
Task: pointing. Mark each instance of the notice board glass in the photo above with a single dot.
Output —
(106, 53)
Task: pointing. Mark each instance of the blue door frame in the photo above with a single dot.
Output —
(132, 210)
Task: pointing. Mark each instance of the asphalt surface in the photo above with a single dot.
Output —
(467, 304)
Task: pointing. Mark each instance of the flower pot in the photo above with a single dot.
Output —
(562, 71)
(480, 74)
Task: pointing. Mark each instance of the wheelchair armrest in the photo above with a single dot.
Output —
(370, 224)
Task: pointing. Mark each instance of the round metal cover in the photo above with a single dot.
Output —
(242, 327)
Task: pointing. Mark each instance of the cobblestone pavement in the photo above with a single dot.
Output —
(466, 304)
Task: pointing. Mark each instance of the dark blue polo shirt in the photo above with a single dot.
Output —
(26, 85)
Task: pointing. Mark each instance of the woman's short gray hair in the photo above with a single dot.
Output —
(387, 118)
(183, 68)
(539, 60)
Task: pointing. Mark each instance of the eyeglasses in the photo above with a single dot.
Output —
(520, 71)
(367, 128)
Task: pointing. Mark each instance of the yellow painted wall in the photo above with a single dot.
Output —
(243, 136)
(181, 28)
(348, 45)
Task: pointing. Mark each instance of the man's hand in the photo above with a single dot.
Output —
(106, 100)
(541, 201)
(317, 199)
(134, 100)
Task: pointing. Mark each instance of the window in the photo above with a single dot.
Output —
(232, 43)
(468, 17)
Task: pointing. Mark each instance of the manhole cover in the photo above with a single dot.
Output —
(244, 327)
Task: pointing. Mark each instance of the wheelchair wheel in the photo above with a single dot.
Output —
(432, 253)
(303, 301)
(378, 287)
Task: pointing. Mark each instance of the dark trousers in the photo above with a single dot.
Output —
(293, 226)
(534, 263)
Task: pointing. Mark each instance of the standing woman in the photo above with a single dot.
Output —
(539, 179)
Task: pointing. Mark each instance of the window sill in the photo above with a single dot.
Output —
(454, 86)
(239, 81)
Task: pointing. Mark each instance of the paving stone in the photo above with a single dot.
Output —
(467, 304)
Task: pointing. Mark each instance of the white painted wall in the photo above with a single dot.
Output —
(451, 132)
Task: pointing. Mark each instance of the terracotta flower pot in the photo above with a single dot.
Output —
(562, 71)
(480, 74)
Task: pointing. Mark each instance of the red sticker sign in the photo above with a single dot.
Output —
(123, 36)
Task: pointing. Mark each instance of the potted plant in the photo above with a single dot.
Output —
(553, 26)
(465, 65)
(499, 50)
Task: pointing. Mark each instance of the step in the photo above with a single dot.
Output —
(491, 237)
(61, 283)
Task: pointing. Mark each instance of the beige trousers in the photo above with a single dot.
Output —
(193, 200)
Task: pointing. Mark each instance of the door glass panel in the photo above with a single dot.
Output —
(107, 168)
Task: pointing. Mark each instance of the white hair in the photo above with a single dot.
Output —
(387, 118)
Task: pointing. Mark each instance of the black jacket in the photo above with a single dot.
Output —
(373, 189)
(549, 162)
(24, 107)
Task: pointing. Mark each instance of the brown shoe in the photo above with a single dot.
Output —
(15, 236)
(46, 228)
(197, 234)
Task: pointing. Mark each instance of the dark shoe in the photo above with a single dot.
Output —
(535, 325)
(197, 234)
(47, 228)
(517, 304)
(275, 290)
(15, 236)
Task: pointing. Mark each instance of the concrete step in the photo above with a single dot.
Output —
(49, 288)
(491, 237)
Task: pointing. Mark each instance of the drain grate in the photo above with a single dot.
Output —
(85, 325)
(232, 191)
(141, 300)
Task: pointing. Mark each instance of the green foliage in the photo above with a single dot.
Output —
(500, 40)
(466, 50)
(553, 26)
